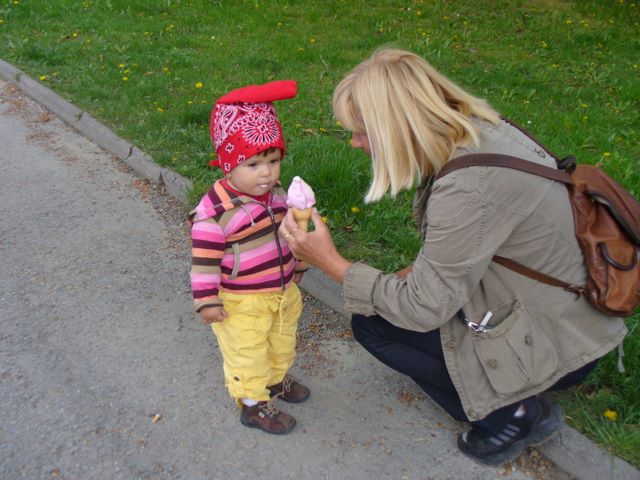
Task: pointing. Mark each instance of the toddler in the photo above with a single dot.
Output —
(243, 277)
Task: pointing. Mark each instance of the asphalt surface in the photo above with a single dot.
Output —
(106, 373)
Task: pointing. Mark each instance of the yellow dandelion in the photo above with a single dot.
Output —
(199, 84)
(125, 79)
(298, 125)
(16, 2)
(338, 123)
(312, 40)
(323, 130)
(127, 71)
(165, 69)
(568, 21)
(43, 77)
(121, 65)
(544, 44)
(74, 35)
(1, 21)
(301, 49)
(355, 210)
(325, 219)
(160, 109)
(606, 154)
(190, 102)
(584, 105)
(610, 414)
(279, 24)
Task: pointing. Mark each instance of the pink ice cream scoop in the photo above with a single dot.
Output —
(301, 199)
(300, 194)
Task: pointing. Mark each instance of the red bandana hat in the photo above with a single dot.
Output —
(244, 122)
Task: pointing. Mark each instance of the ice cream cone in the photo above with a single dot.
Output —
(302, 216)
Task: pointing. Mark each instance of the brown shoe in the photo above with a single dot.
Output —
(267, 418)
(290, 390)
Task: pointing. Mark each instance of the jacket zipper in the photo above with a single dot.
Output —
(275, 233)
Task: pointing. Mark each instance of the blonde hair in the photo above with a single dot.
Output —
(413, 116)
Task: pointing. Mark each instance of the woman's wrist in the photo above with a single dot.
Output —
(337, 268)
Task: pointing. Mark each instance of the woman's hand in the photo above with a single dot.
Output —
(405, 271)
(315, 247)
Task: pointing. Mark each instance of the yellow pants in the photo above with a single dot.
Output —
(258, 340)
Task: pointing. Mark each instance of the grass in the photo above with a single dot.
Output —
(567, 70)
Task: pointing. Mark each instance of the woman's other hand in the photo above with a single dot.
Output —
(316, 248)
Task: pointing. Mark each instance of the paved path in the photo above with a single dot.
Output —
(105, 373)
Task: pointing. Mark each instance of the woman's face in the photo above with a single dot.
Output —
(361, 141)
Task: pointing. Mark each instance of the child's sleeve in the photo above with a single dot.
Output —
(207, 249)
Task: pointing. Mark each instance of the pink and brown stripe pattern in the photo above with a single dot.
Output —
(235, 246)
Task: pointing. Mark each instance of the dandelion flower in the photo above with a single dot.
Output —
(301, 49)
(125, 79)
(199, 84)
(355, 210)
(121, 65)
(606, 154)
(325, 219)
(312, 40)
(1, 21)
(610, 414)
(43, 77)
(165, 69)
(160, 109)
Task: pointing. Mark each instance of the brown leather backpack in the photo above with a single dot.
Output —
(607, 222)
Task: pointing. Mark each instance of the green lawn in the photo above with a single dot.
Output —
(567, 70)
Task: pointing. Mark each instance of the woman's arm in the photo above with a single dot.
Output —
(316, 248)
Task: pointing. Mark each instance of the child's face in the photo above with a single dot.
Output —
(257, 175)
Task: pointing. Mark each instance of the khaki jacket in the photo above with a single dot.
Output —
(538, 333)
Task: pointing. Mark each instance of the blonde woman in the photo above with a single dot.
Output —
(481, 340)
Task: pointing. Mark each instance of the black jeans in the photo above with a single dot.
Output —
(419, 355)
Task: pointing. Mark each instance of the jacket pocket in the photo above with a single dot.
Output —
(516, 354)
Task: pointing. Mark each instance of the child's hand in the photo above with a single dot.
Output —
(213, 314)
(297, 278)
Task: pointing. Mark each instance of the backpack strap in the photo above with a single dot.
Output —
(504, 161)
(507, 161)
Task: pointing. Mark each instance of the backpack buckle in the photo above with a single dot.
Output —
(577, 290)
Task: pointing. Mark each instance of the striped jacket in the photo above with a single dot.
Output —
(235, 246)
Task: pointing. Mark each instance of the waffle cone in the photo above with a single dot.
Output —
(302, 216)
